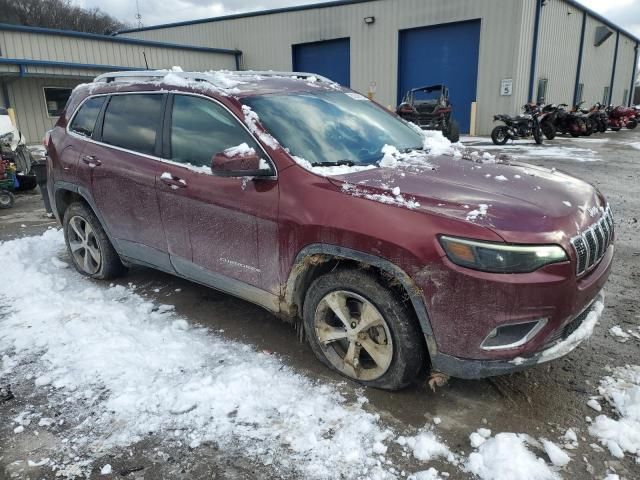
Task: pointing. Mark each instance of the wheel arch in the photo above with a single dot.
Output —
(66, 193)
(316, 259)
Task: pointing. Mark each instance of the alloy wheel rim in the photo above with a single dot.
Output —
(353, 335)
(84, 245)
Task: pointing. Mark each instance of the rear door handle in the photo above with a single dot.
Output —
(172, 181)
(91, 160)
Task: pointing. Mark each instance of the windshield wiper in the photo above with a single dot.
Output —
(339, 163)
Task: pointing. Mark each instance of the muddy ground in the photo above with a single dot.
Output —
(543, 401)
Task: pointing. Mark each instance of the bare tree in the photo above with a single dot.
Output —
(58, 14)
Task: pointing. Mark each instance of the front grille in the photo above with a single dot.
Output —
(591, 245)
(568, 329)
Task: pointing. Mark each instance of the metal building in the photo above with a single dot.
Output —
(39, 67)
(495, 55)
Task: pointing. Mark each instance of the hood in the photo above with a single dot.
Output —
(520, 202)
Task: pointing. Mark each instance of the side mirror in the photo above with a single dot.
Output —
(245, 164)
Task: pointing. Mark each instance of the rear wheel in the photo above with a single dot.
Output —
(500, 135)
(362, 330)
(632, 124)
(615, 129)
(88, 245)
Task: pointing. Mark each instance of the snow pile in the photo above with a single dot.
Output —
(426, 446)
(242, 149)
(506, 457)
(480, 436)
(251, 120)
(394, 197)
(557, 456)
(331, 171)
(570, 439)
(621, 389)
(584, 331)
(120, 368)
(393, 158)
(431, 474)
(619, 333)
(480, 212)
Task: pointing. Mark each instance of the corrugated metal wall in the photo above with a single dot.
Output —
(624, 70)
(558, 50)
(38, 46)
(597, 63)
(266, 42)
(26, 95)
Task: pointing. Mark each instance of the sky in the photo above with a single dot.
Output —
(625, 13)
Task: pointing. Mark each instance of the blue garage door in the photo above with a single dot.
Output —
(330, 59)
(442, 54)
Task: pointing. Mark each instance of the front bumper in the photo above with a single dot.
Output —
(474, 369)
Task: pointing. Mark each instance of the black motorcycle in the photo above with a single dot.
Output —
(518, 127)
(547, 120)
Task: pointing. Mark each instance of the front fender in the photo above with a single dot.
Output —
(301, 266)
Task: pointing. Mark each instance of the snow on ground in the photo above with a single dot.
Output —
(530, 150)
(621, 435)
(121, 367)
(507, 457)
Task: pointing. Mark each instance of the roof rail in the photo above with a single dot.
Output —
(150, 75)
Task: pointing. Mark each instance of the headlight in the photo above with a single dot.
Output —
(500, 257)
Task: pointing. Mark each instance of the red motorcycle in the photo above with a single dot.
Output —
(620, 117)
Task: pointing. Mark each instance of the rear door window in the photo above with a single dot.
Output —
(132, 122)
(85, 120)
(201, 128)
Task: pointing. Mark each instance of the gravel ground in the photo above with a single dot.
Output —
(542, 402)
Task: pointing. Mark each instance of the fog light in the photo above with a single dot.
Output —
(513, 335)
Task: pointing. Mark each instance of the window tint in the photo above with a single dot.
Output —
(56, 99)
(85, 120)
(201, 128)
(131, 121)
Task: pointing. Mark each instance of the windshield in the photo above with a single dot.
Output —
(332, 128)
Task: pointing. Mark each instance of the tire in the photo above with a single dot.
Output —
(602, 127)
(26, 182)
(394, 334)
(537, 135)
(549, 131)
(88, 245)
(7, 199)
(632, 125)
(616, 129)
(500, 135)
(453, 133)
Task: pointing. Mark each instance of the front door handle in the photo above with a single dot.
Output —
(172, 181)
(91, 160)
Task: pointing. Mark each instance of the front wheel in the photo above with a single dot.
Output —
(537, 135)
(88, 245)
(549, 131)
(500, 135)
(453, 132)
(359, 328)
(7, 199)
(632, 124)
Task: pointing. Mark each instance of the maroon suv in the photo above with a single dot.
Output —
(317, 204)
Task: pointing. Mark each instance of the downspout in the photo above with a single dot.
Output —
(579, 70)
(615, 64)
(633, 77)
(5, 94)
(534, 51)
(238, 57)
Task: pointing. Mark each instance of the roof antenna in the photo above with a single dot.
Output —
(145, 59)
(138, 16)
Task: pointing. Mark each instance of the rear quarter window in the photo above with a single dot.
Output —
(84, 121)
(132, 122)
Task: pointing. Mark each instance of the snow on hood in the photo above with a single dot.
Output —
(507, 197)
